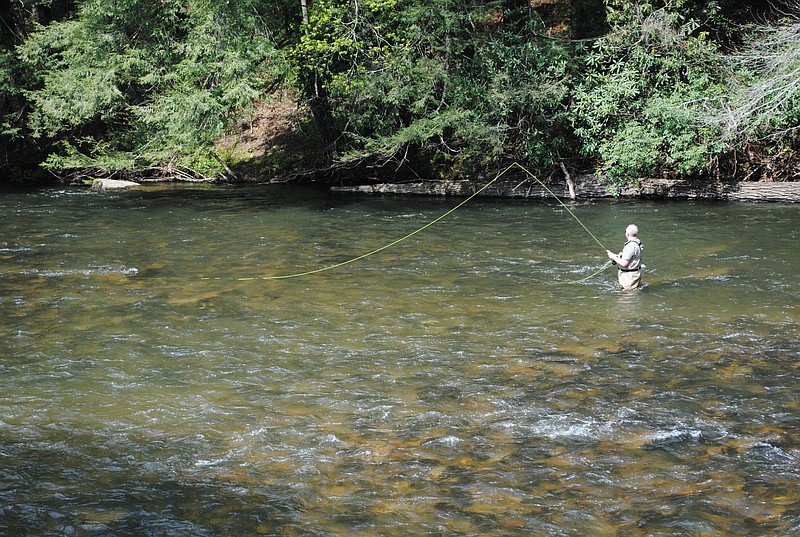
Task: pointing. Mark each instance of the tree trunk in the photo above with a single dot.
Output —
(304, 9)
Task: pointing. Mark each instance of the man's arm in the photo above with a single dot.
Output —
(619, 260)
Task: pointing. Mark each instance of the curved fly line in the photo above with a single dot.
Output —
(431, 223)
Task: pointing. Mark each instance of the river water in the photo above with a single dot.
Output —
(464, 381)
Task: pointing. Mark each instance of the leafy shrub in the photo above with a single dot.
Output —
(647, 84)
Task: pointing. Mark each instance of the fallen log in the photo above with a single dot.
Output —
(741, 191)
(589, 186)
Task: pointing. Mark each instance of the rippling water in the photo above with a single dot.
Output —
(459, 383)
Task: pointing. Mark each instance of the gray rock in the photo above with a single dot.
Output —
(103, 185)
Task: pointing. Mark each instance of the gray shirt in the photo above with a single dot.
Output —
(632, 251)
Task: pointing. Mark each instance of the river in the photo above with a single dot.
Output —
(155, 380)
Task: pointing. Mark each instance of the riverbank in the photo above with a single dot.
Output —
(583, 187)
(276, 146)
(275, 141)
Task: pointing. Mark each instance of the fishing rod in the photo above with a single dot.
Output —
(434, 221)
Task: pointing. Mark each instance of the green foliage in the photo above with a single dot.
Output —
(462, 83)
(70, 157)
(646, 85)
(8, 90)
(450, 86)
(156, 81)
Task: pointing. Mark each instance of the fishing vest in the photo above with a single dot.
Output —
(636, 260)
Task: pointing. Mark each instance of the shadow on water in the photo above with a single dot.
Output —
(452, 385)
(83, 493)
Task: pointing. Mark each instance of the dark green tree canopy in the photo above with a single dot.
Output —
(137, 83)
(440, 88)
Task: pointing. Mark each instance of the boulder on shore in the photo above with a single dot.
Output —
(102, 185)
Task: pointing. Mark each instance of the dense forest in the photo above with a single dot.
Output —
(438, 89)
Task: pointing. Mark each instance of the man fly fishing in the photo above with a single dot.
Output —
(629, 260)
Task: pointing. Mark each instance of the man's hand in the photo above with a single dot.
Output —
(617, 260)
